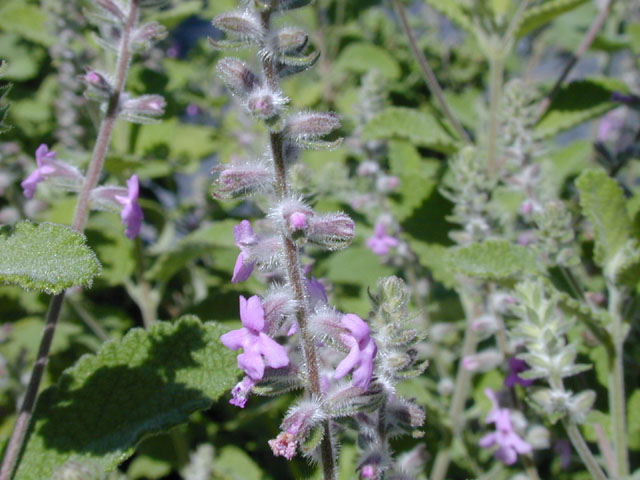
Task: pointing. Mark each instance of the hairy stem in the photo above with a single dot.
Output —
(616, 384)
(463, 381)
(586, 42)
(25, 413)
(294, 272)
(427, 72)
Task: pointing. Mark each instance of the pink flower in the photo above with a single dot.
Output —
(259, 348)
(507, 440)
(243, 237)
(362, 351)
(131, 212)
(241, 391)
(516, 366)
(380, 243)
(48, 167)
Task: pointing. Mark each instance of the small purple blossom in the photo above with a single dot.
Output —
(243, 237)
(259, 348)
(380, 243)
(316, 291)
(295, 426)
(362, 351)
(505, 438)
(297, 220)
(131, 212)
(240, 393)
(47, 167)
(516, 366)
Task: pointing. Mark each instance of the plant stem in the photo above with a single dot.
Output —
(586, 42)
(294, 271)
(616, 384)
(463, 380)
(18, 434)
(496, 64)
(427, 72)
(515, 22)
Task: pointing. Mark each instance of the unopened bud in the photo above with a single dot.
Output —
(387, 183)
(243, 24)
(265, 104)
(144, 109)
(100, 88)
(311, 125)
(241, 179)
(483, 361)
(392, 294)
(291, 39)
(581, 405)
(237, 76)
(112, 9)
(333, 231)
(148, 33)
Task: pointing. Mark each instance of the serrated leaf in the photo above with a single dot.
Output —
(493, 259)
(541, 14)
(434, 257)
(421, 128)
(578, 102)
(603, 203)
(363, 57)
(149, 381)
(454, 12)
(417, 178)
(46, 257)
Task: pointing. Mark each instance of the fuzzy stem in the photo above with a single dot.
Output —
(586, 42)
(294, 275)
(463, 381)
(427, 72)
(18, 434)
(495, 84)
(616, 384)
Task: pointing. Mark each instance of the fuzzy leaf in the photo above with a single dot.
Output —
(417, 178)
(578, 102)
(364, 57)
(46, 257)
(434, 257)
(544, 13)
(454, 12)
(493, 259)
(147, 382)
(603, 203)
(421, 128)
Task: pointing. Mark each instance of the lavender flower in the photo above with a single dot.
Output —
(241, 391)
(507, 440)
(362, 351)
(254, 341)
(516, 366)
(131, 212)
(48, 167)
(380, 243)
(243, 237)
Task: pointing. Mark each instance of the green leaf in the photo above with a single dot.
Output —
(421, 128)
(148, 382)
(417, 178)
(493, 259)
(364, 57)
(4, 107)
(454, 12)
(232, 463)
(603, 203)
(578, 102)
(633, 407)
(46, 257)
(435, 258)
(541, 14)
(29, 21)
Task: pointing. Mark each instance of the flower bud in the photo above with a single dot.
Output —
(239, 179)
(100, 88)
(265, 104)
(333, 231)
(278, 303)
(112, 10)
(291, 39)
(387, 183)
(311, 125)
(147, 34)
(300, 419)
(145, 109)
(483, 361)
(244, 24)
(237, 76)
(370, 467)
(581, 405)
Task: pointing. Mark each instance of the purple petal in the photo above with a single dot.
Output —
(316, 291)
(488, 440)
(242, 270)
(518, 443)
(252, 313)
(131, 215)
(358, 327)
(241, 391)
(235, 339)
(43, 153)
(252, 364)
(348, 362)
(506, 455)
(275, 355)
(243, 234)
(29, 184)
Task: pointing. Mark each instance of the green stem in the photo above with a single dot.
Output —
(18, 434)
(616, 384)
(496, 65)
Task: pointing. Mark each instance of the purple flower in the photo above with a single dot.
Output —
(507, 440)
(362, 351)
(48, 167)
(241, 391)
(380, 243)
(243, 237)
(254, 341)
(516, 366)
(316, 291)
(131, 212)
